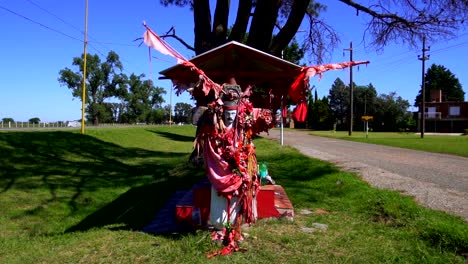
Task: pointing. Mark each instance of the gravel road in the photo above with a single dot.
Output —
(438, 181)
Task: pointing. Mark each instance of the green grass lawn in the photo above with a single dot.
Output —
(72, 198)
(456, 145)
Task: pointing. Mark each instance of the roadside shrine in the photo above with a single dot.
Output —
(237, 90)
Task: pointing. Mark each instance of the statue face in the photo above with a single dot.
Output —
(229, 117)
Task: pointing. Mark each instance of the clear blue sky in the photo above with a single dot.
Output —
(41, 37)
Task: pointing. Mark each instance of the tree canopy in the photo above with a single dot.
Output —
(389, 111)
(102, 81)
(7, 120)
(339, 101)
(35, 120)
(182, 112)
(112, 96)
(438, 77)
(270, 26)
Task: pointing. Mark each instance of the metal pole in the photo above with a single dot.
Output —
(351, 88)
(83, 96)
(281, 113)
(170, 107)
(423, 58)
(282, 129)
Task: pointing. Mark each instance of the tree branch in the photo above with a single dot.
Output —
(173, 35)
(431, 19)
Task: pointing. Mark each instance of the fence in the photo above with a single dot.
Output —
(431, 115)
(72, 124)
(7, 125)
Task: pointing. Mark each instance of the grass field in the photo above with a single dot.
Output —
(456, 145)
(72, 198)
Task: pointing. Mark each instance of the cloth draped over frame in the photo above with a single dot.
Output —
(152, 40)
(298, 90)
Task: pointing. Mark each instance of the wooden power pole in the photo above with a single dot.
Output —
(83, 92)
(351, 89)
(423, 58)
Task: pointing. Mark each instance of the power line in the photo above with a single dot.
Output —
(52, 14)
(62, 33)
(77, 28)
(40, 24)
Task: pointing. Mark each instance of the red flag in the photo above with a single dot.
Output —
(180, 82)
(297, 91)
(299, 113)
(154, 41)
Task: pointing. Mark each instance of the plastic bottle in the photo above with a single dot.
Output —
(263, 171)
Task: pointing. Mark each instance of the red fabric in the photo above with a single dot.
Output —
(229, 241)
(218, 170)
(152, 40)
(284, 111)
(266, 204)
(184, 214)
(202, 200)
(298, 90)
(299, 113)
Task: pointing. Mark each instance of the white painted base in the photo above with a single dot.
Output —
(218, 210)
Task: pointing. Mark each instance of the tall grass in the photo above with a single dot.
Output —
(72, 198)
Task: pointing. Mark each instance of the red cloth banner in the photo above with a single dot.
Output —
(298, 90)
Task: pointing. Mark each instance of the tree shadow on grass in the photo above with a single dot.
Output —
(77, 170)
(174, 136)
(136, 208)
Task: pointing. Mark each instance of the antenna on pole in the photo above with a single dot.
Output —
(83, 95)
(423, 58)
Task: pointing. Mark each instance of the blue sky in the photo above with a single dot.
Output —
(41, 37)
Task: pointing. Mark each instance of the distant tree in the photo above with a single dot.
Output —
(168, 113)
(293, 52)
(104, 80)
(141, 99)
(8, 119)
(440, 78)
(117, 110)
(320, 117)
(391, 113)
(35, 120)
(182, 112)
(364, 102)
(157, 116)
(338, 100)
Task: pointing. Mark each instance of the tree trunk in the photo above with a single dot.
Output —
(220, 22)
(289, 30)
(242, 20)
(263, 23)
(202, 21)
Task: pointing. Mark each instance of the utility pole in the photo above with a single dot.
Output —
(351, 88)
(83, 94)
(423, 58)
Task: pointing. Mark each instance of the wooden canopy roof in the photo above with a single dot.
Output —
(248, 66)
